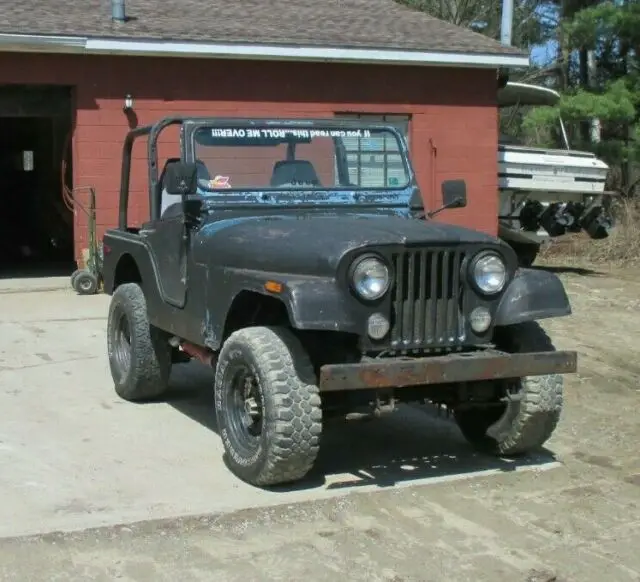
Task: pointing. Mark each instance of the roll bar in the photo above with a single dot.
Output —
(154, 130)
(152, 161)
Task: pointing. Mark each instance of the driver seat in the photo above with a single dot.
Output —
(294, 173)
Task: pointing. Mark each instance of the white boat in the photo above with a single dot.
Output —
(546, 192)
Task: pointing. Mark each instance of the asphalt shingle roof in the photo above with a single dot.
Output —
(330, 23)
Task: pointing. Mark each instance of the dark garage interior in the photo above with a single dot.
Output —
(36, 225)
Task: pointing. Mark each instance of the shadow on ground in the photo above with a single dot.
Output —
(36, 269)
(413, 443)
(563, 269)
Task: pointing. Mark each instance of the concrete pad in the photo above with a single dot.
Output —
(576, 523)
(73, 455)
(31, 284)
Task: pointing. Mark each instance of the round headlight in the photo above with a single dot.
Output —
(370, 278)
(490, 273)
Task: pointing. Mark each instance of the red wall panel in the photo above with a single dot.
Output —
(453, 128)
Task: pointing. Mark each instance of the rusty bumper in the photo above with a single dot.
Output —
(449, 369)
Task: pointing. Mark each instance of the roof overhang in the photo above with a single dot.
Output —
(140, 47)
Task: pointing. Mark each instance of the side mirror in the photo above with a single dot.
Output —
(454, 194)
(181, 179)
(416, 204)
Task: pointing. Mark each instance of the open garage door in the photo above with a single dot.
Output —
(36, 227)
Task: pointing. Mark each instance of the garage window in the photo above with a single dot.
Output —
(376, 162)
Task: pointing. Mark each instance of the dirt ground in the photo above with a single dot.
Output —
(417, 507)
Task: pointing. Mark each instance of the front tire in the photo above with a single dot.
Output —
(139, 354)
(268, 406)
(519, 426)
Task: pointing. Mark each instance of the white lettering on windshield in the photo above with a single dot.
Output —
(283, 133)
(215, 132)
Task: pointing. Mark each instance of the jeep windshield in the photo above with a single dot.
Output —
(297, 158)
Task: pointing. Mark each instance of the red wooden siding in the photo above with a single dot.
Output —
(453, 128)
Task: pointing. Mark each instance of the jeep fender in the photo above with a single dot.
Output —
(318, 303)
(127, 249)
(533, 294)
(312, 303)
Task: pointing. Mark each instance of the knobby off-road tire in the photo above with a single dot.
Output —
(520, 426)
(139, 354)
(283, 445)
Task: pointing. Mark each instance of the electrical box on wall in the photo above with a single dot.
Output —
(27, 161)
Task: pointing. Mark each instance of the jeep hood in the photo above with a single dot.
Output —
(314, 243)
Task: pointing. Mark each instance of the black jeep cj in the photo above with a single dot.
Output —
(295, 257)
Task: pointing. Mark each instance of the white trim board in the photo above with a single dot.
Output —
(132, 47)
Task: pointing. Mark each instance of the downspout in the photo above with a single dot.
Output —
(118, 11)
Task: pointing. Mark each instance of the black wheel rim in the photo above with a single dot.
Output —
(245, 411)
(122, 342)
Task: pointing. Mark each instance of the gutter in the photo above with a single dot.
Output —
(134, 47)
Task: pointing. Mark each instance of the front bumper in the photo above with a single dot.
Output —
(449, 369)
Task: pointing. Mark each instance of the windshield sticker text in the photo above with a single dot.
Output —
(252, 133)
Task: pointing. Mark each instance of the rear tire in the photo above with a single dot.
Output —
(522, 426)
(139, 354)
(268, 406)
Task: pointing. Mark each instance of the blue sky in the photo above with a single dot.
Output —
(544, 53)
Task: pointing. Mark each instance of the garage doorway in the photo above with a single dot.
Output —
(36, 226)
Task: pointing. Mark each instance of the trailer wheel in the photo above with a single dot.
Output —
(268, 406)
(73, 277)
(85, 283)
(139, 353)
(524, 425)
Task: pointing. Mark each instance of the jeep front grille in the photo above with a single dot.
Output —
(426, 299)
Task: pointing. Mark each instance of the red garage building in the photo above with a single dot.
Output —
(66, 71)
